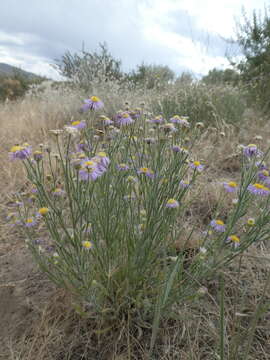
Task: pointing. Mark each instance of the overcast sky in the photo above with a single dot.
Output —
(183, 34)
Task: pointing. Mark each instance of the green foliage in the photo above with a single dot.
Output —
(15, 86)
(151, 76)
(220, 77)
(212, 105)
(110, 240)
(253, 37)
(86, 67)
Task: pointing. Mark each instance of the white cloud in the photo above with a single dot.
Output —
(183, 34)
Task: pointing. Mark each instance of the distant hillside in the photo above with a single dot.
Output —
(9, 70)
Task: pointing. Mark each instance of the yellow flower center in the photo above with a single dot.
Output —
(219, 222)
(87, 244)
(102, 154)
(144, 170)
(252, 145)
(74, 123)
(196, 163)
(232, 184)
(251, 222)
(265, 173)
(261, 187)
(171, 201)
(125, 115)
(89, 163)
(43, 211)
(29, 221)
(16, 148)
(94, 99)
(234, 238)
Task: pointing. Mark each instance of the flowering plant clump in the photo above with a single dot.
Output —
(109, 207)
(94, 103)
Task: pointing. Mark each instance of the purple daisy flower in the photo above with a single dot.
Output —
(102, 161)
(146, 171)
(182, 120)
(157, 120)
(30, 222)
(89, 170)
(20, 152)
(176, 148)
(218, 225)
(94, 103)
(78, 124)
(234, 240)
(93, 168)
(184, 184)
(105, 120)
(261, 165)
(172, 203)
(38, 155)
(122, 167)
(176, 119)
(125, 119)
(264, 176)
(196, 165)
(89, 174)
(252, 150)
(136, 113)
(258, 189)
(230, 186)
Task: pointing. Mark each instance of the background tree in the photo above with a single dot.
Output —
(152, 76)
(86, 67)
(218, 77)
(253, 37)
(185, 78)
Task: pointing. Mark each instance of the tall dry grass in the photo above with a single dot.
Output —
(61, 334)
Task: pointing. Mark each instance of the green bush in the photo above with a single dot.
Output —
(212, 105)
(104, 225)
(15, 86)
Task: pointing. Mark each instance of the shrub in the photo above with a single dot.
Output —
(253, 38)
(102, 214)
(86, 68)
(212, 105)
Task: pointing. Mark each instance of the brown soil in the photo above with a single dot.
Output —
(23, 293)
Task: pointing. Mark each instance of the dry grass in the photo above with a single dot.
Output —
(58, 332)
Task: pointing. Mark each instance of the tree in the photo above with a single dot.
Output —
(185, 78)
(218, 77)
(152, 76)
(253, 37)
(86, 67)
